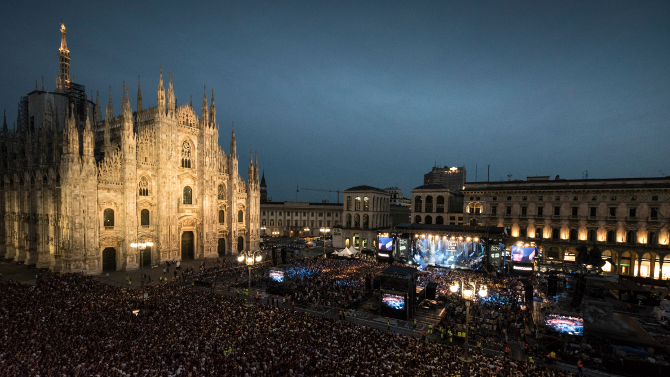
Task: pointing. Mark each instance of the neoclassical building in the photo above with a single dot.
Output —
(367, 211)
(77, 190)
(624, 217)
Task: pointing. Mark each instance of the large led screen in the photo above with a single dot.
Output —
(565, 324)
(447, 251)
(277, 275)
(393, 301)
(385, 244)
(523, 254)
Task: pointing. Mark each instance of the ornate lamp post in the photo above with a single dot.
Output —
(324, 231)
(468, 294)
(250, 258)
(142, 246)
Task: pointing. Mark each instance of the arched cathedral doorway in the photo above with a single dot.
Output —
(109, 260)
(187, 246)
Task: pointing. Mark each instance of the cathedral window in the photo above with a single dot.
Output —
(144, 186)
(240, 216)
(144, 217)
(240, 243)
(108, 217)
(188, 195)
(222, 216)
(186, 154)
(222, 194)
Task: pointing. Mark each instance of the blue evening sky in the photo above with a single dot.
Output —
(334, 94)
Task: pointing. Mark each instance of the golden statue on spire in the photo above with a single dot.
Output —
(62, 27)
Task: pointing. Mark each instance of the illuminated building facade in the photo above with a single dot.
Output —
(435, 204)
(623, 217)
(367, 211)
(78, 190)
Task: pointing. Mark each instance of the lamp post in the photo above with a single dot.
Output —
(324, 231)
(250, 258)
(468, 294)
(142, 246)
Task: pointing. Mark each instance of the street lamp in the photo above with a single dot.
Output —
(324, 231)
(468, 293)
(141, 246)
(250, 258)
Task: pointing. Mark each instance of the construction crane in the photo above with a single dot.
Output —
(337, 191)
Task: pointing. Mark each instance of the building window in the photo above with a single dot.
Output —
(494, 209)
(575, 211)
(144, 186)
(557, 198)
(348, 204)
(631, 237)
(417, 219)
(557, 210)
(272, 222)
(144, 217)
(357, 204)
(327, 223)
(509, 198)
(541, 198)
(439, 208)
(613, 197)
(611, 236)
(417, 204)
(593, 198)
(327, 214)
(357, 221)
(366, 204)
(591, 235)
(320, 223)
(240, 217)
(263, 222)
(222, 194)
(632, 212)
(555, 234)
(304, 223)
(186, 154)
(495, 198)
(188, 195)
(366, 221)
(524, 198)
(654, 198)
(429, 204)
(538, 233)
(279, 222)
(653, 212)
(320, 214)
(540, 211)
(573, 234)
(108, 216)
(524, 211)
(592, 211)
(523, 231)
(508, 210)
(222, 217)
(612, 211)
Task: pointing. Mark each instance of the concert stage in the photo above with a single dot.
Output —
(454, 246)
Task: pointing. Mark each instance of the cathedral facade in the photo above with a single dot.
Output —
(83, 194)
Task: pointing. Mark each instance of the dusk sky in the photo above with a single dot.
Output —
(345, 93)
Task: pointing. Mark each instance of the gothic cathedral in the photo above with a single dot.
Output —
(87, 195)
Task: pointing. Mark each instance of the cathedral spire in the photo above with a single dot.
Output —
(63, 81)
(263, 180)
(96, 108)
(88, 139)
(126, 101)
(161, 93)
(139, 95)
(205, 113)
(170, 99)
(110, 108)
(232, 143)
(4, 123)
(71, 134)
(212, 110)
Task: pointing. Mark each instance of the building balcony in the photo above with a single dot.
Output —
(508, 215)
(652, 219)
(574, 217)
(539, 216)
(632, 219)
(556, 217)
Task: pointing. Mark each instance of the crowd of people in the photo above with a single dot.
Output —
(331, 282)
(73, 325)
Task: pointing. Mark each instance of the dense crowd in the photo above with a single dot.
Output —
(331, 282)
(72, 325)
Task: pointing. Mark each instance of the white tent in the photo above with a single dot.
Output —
(353, 251)
(344, 253)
